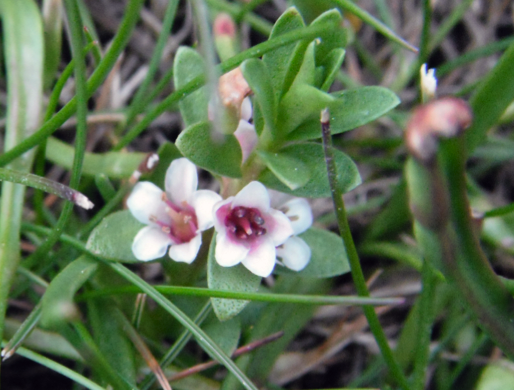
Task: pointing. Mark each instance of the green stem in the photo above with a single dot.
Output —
(202, 338)
(258, 24)
(353, 257)
(464, 360)
(349, 6)
(177, 346)
(57, 367)
(426, 320)
(259, 297)
(472, 55)
(138, 102)
(44, 184)
(77, 39)
(471, 271)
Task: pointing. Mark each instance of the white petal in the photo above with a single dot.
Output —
(203, 202)
(247, 137)
(299, 213)
(220, 211)
(150, 243)
(187, 251)
(229, 252)
(246, 109)
(278, 226)
(145, 200)
(181, 180)
(261, 258)
(253, 195)
(295, 253)
(278, 198)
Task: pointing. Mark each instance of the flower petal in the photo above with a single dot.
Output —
(247, 137)
(150, 243)
(261, 258)
(299, 213)
(278, 226)
(203, 202)
(220, 211)
(228, 252)
(295, 253)
(145, 200)
(181, 181)
(246, 109)
(255, 195)
(186, 252)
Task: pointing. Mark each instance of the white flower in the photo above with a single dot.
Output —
(295, 253)
(249, 230)
(175, 217)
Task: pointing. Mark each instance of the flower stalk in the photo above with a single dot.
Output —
(353, 257)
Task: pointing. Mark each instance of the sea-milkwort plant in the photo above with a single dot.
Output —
(238, 164)
(255, 128)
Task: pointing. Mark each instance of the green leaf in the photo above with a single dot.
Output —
(311, 154)
(351, 109)
(257, 76)
(291, 171)
(328, 256)
(111, 339)
(116, 165)
(187, 66)
(331, 65)
(112, 238)
(57, 303)
(22, 39)
(306, 73)
(52, 25)
(312, 9)
(333, 38)
(277, 61)
(215, 152)
(496, 377)
(301, 103)
(491, 99)
(286, 317)
(307, 56)
(236, 278)
(225, 334)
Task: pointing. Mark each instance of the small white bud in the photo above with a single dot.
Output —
(428, 83)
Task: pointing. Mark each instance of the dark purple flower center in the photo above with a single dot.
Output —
(245, 223)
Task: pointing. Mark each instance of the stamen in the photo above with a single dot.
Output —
(241, 234)
(166, 229)
(260, 231)
(239, 212)
(257, 219)
(231, 226)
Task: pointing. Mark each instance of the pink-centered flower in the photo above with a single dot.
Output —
(175, 218)
(249, 230)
